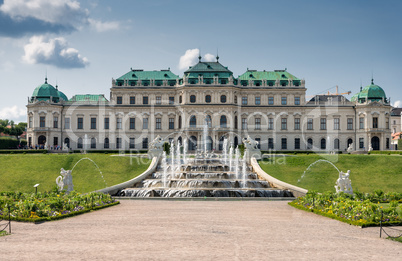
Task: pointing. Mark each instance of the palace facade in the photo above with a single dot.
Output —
(269, 106)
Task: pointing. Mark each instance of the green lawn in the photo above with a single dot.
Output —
(20, 172)
(367, 172)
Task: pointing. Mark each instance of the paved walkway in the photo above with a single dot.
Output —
(197, 230)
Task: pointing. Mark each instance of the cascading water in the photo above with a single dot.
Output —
(204, 175)
(224, 151)
(315, 162)
(96, 165)
(230, 158)
(205, 137)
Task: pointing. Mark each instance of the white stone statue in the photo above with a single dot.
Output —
(46, 146)
(65, 147)
(344, 184)
(251, 149)
(350, 148)
(155, 147)
(370, 147)
(65, 181)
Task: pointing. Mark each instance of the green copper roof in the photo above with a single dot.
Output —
(354, 97)
(207, 67)
(88, 97)
(372, 92)
(267, 75)
(45, 91)
(147, 75)
(61, 94)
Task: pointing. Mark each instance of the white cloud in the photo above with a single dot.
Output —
(54, 52)
(66, 12)
(12, 113)
(209, 57)
(191, 57)
(103, 26)
(397, 104)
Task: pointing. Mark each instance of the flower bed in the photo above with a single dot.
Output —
(50, 205)
(360, 209)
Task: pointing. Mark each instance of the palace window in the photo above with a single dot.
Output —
(258, 123)
(145, 100)
(158, 124)
(145, 143)
(132, 143)
(55, 122)
(119, 100)
(375, 122)
(158, 100)
(171, 100)
(270, 100)
(257, 100)
(67, 123)
(93, 143)
(297, 100)
(284, 144)
(93, 123)
(336, 144)
(119, 123)
(270, 123)
(223, 121)
(323, 124)
(132, 99)
(80, 123)
(106, 123)
(79, 143)
(350, 124)
(270, 143)
(361, 143)
(118, 143)
(309, 123)
(361, 123)
(337, 124)
(171, 123)
(284, 124)
(132, 123)
(297, 143)
(145, 123)
(193, 122)
(244, 100)
(244, 123)
(323, 144)
(192, 98)
(106, 143)
(284, 100)
(42, 121)
(223, 98)
(297, 123)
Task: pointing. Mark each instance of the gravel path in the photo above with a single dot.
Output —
(196, 230)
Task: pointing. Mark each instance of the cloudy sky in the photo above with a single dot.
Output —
(83, 44)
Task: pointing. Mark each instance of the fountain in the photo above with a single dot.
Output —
(343, 184)
(224, 151)
(100, 172)
(205, 174)
(205, 137)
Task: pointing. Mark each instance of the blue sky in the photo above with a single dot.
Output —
(82, 45)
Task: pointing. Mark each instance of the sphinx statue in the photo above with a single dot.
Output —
(344, 184)
(155, 147)
(251, 149)
(65, 181)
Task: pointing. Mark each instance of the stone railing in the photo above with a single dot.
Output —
(114, 189)
(297, 191)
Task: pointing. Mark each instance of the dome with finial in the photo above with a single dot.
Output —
(45, 92)
(372, 92)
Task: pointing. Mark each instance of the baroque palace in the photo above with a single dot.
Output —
(268, 106)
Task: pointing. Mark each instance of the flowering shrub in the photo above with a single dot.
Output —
(359, 209)
(50, 205)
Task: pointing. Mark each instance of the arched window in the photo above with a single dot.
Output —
(223, 121)
(323, 144)
(208, 121)
(336, 144)
(179, 122)
(223, 98)
(106, 143)
(208, 98)
(67, 142)
(79, 143)
(236, 142)
(192, 98)
(235, 99)
(93, 143)
(235, 123)
(180, 99)
(221, 142)
(309, 143)
(193, 121)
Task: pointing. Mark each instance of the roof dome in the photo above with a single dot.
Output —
(354, 97)
(45, 91)
(372, 92)
(61, 94)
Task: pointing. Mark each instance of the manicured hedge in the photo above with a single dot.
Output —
(16, 151)
(10, 143)
(385, 152)
(112, 151)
